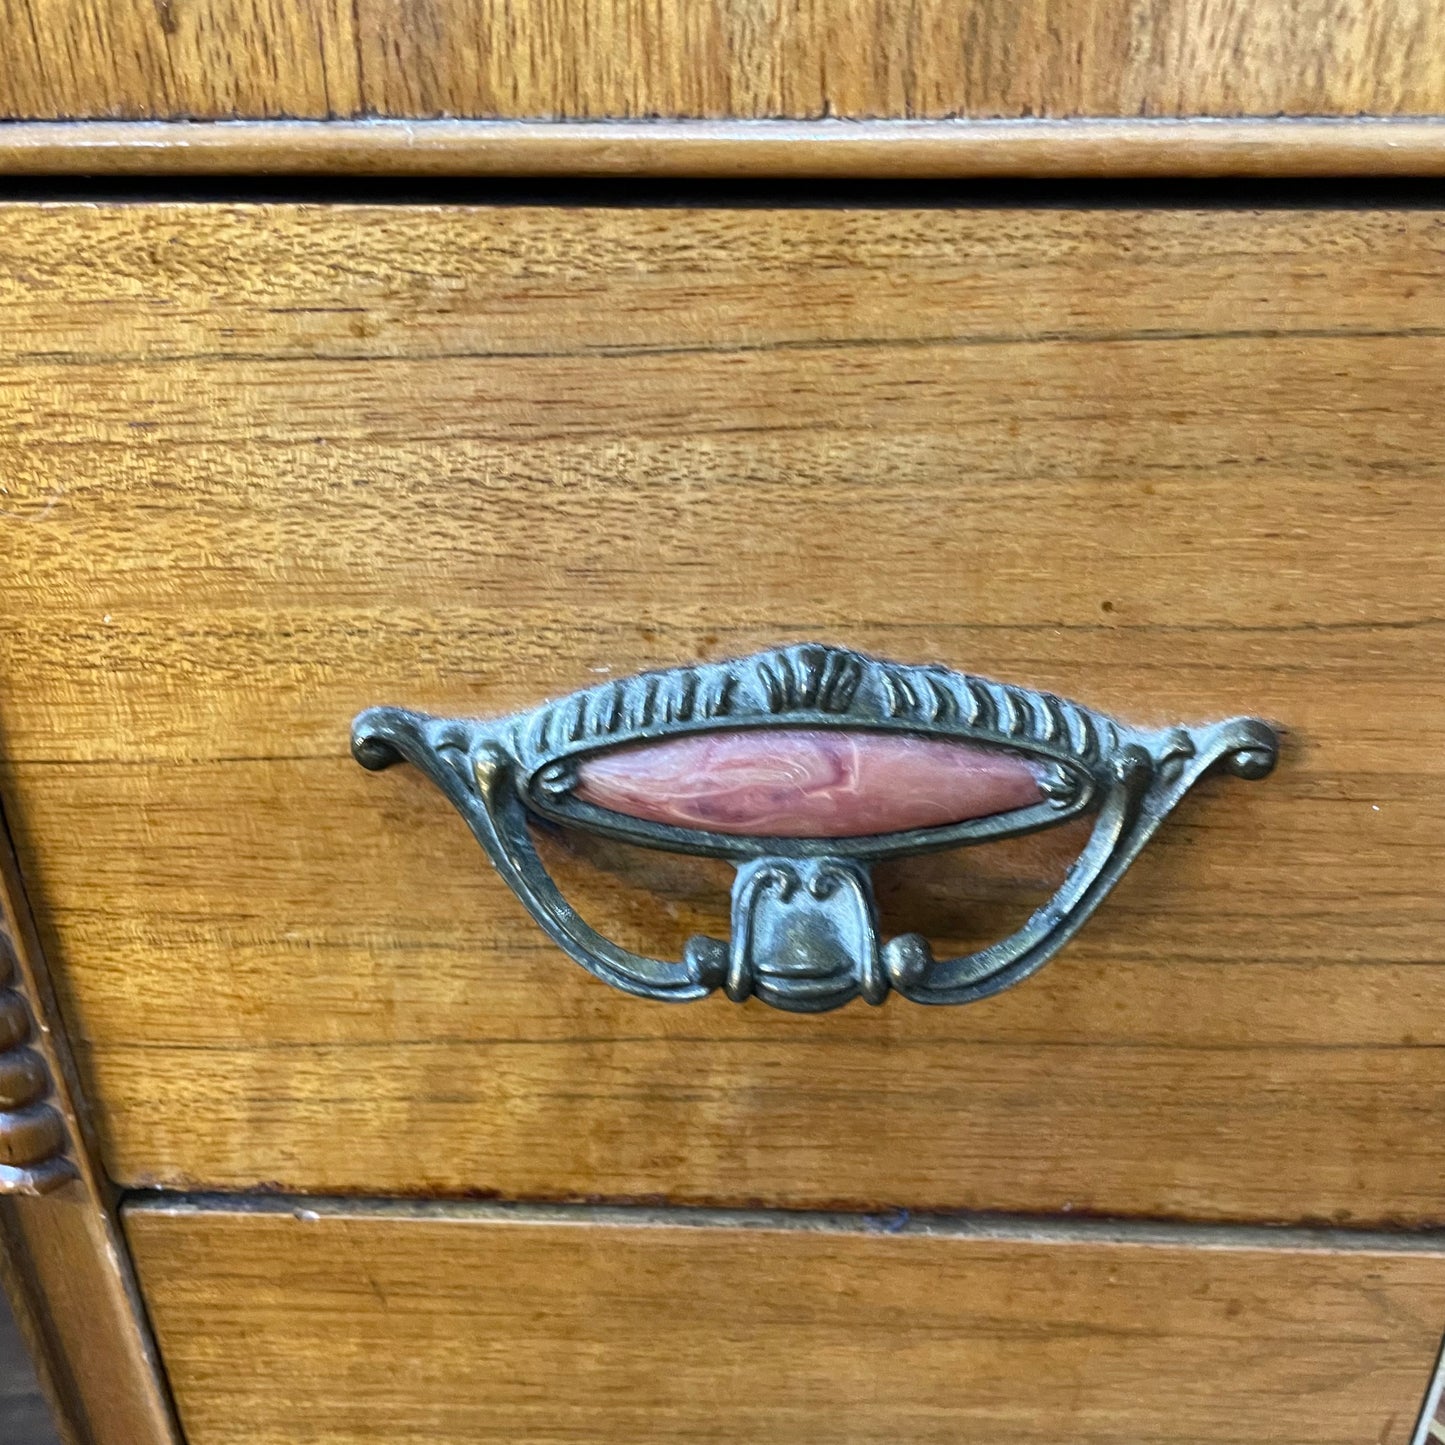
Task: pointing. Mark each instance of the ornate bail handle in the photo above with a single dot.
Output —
(803, 765)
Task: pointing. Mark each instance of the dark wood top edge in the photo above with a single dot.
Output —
(736, 149)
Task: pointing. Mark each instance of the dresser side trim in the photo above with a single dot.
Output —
(66, 1263)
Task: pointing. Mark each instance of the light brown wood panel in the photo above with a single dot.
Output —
(162, 59)
(468, 1328)
(191, 284)
(866, 58)
(764, 58)
(265, 466)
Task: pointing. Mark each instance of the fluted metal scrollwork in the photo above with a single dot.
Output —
(804, 924)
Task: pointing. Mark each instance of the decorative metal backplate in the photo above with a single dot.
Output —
(804, 924)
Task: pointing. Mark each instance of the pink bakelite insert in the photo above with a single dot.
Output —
(808, 782)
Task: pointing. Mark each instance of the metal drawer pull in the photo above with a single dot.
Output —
(802, 766)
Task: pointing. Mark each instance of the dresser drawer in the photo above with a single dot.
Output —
(272, 464)
(450, 1325)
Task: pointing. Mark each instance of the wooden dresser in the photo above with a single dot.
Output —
(464, 354)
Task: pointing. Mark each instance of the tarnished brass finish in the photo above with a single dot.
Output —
(805, 934)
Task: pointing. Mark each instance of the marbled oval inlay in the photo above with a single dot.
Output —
(808, 782)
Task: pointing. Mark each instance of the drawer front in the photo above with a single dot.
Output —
(270, 464)
(449, 1326)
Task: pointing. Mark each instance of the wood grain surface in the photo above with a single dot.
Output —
(63, 1262)
(267, 465)
(221, 59)
(890, 150)
(339, 1325)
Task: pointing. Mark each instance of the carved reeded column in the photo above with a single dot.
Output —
(34, 1142)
